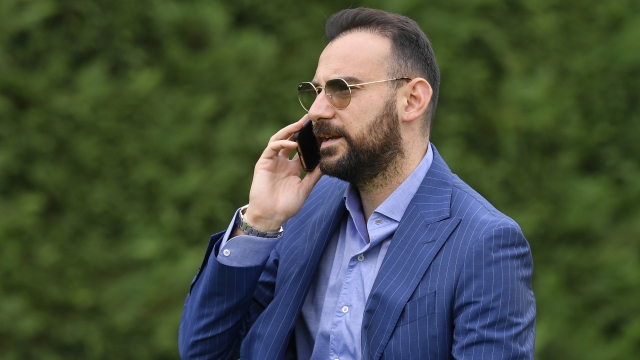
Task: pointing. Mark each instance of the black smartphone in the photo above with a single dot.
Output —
(308, 149)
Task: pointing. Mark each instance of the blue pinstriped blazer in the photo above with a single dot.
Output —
(455, 283)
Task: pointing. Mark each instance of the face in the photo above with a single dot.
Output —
(368, 154)
(362, 141)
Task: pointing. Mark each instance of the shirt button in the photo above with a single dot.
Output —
(345, 309)
(226, 252)
(360, 257)
(378, 222)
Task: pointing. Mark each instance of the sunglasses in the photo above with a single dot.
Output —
(337, 91)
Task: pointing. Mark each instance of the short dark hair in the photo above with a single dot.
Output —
(411, 51)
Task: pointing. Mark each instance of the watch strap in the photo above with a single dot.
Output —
(248, 229)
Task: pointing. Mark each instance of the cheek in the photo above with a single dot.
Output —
(360, 122)
(368, 106)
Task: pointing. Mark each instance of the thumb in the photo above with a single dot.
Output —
(311, 179)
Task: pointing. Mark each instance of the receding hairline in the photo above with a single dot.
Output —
(393, 58)
(390, 58)
(375, 30)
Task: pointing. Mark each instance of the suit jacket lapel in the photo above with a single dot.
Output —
(329, 210)
(421, 233)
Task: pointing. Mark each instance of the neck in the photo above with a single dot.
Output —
(377, 190)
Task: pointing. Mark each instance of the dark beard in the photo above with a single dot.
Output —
(370, 157)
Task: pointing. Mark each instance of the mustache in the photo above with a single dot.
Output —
(326, 129)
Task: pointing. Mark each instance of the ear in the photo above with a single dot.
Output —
(416, 96)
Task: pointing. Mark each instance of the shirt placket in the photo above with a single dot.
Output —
(345, 315)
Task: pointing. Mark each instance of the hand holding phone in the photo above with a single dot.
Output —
(308, 149)
(277, 191)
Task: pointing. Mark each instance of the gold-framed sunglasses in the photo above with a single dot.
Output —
(337, 91)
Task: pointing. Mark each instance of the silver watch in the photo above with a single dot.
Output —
(246, 228)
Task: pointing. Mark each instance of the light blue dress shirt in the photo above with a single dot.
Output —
(331, 319)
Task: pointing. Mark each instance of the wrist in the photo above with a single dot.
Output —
(261, 223)
(267, 228)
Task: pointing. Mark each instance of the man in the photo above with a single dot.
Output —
(388, 256)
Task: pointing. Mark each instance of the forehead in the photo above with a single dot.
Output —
(361, 54)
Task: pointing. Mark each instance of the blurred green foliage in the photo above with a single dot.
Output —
(129, 131)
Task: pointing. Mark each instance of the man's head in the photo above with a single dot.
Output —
(411, 52)
(383, 129)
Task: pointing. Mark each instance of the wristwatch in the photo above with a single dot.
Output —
(246, 228)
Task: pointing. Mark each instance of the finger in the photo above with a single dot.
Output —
(274, 148)
(295, 161)
(311, 179)
(287, 131)
(287, 152)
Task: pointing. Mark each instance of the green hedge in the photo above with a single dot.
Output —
(129, 131)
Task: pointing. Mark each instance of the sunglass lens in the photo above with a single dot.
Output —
(306, 95)
(338, 93)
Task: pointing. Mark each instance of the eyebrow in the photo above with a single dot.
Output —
(352, 80)
(349, 79)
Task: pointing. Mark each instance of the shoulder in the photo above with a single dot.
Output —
(467, 201)
(481, 223)
(477, 215)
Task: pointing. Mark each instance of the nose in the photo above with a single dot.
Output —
(321, 108)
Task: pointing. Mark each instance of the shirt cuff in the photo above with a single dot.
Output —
(244, 250)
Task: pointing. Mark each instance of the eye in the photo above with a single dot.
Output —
(342, 94)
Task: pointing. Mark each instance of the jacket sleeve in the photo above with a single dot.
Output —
(220, 306)
(494, 309)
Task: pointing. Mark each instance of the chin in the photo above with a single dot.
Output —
(326, 164)
(334, 166)
(330, 156)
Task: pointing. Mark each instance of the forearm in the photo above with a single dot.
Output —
(215, 310)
